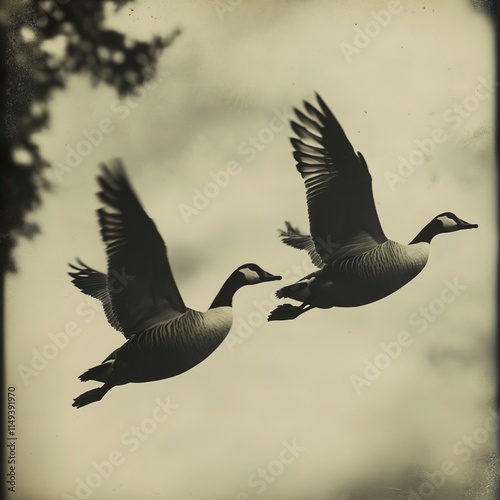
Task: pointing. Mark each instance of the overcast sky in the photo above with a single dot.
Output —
(422, 75)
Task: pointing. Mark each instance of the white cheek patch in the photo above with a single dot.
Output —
(250, 275)
(447, 222)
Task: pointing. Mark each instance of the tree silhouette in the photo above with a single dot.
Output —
(31, 74)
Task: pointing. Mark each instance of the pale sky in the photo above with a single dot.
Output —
(426, 73)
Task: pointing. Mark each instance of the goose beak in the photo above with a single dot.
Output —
(466, 225)
(270, 277)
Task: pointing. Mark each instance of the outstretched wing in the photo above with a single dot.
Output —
(95, 284)
(139, 279)
(293, 237)
(342, 215)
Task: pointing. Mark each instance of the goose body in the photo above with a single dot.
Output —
(168, 348)
(141, 300)
(357, 263)
(361, 279)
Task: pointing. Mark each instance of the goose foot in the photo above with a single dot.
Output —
(286, 311)
(91, 396)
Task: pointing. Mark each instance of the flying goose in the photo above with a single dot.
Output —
(357, 263)
(141, 300)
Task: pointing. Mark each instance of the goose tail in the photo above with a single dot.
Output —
(100, 373)
(297, 291)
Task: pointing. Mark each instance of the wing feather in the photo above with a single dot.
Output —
(95, 284)
(139, 278)
(293, 237)
(342, 216)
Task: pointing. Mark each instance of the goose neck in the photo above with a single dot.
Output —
(225, 296)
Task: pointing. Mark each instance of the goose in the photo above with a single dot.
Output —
(357, 264)
(164, 338)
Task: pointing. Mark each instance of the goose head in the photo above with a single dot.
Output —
(247, 274)
(251, 274)
(447, 222)
(450, 222)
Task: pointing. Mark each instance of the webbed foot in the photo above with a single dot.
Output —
(286, 311)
